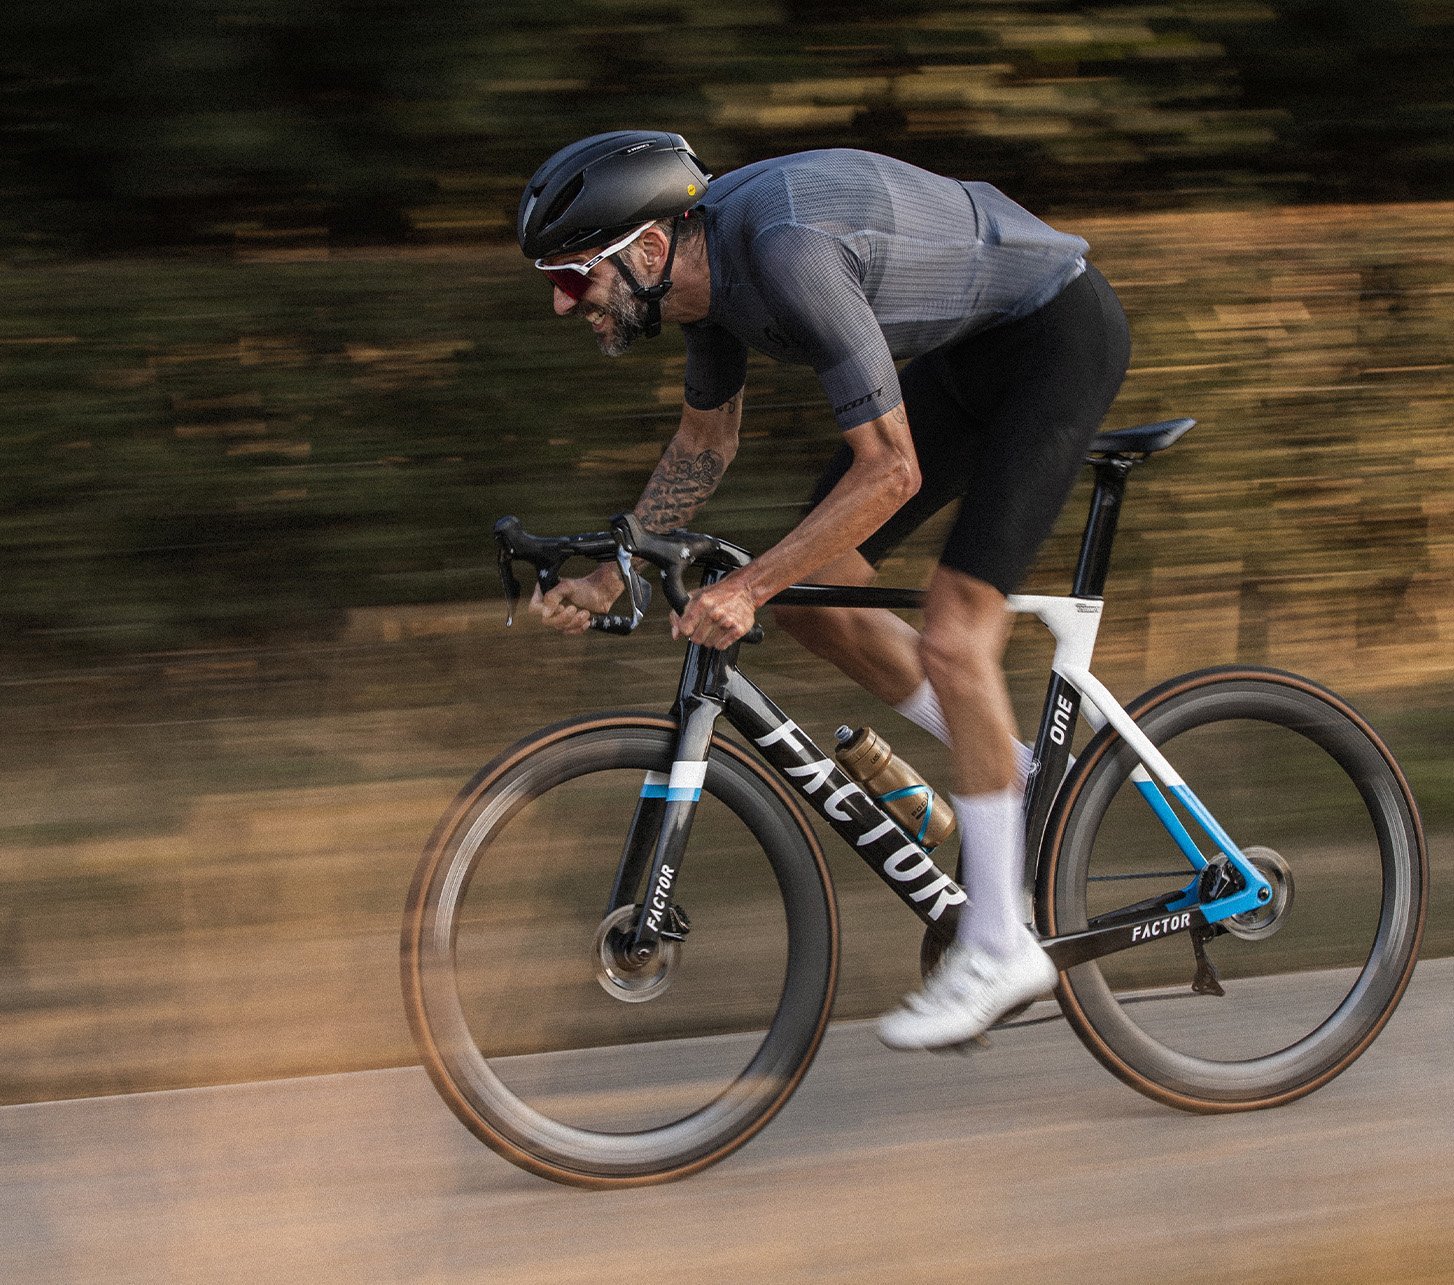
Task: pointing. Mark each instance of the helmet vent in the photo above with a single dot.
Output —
(563, 202)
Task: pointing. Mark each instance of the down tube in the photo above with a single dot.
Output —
(898, 860)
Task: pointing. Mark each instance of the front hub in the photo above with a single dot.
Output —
(622, 975)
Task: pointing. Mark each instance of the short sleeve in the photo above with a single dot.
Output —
(716, 365)
(812, 283)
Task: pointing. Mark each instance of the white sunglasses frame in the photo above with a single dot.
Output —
(585, 268)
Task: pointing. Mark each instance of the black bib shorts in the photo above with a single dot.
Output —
(1001, 421)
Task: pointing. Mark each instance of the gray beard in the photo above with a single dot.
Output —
(628, 320)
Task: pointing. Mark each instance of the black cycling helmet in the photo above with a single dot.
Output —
(605, 185)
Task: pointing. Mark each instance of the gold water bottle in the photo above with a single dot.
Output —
(870, 761)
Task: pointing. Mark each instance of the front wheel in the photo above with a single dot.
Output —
(552, 1044)
(1312, 796)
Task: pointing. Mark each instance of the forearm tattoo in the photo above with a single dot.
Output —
(679, 487)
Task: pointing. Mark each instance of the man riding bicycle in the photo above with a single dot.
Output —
(848, 262)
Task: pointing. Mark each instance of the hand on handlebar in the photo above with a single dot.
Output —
(718, 615)
(574, 605)
(568, 606)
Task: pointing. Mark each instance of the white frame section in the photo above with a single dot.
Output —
(1074, 623)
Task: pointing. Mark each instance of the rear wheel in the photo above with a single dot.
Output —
(1316, 801)
(546, 1038)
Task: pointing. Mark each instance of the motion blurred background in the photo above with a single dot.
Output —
(271, 364)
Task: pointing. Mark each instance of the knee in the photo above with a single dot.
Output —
(963, 648)
(954, 660)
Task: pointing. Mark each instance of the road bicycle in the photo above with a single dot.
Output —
(621, 944)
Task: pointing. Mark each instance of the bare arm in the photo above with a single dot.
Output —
(691, 466)
(689, 470)
(884, 474)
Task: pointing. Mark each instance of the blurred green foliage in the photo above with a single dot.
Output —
(135, 123)
(232, 450)
(209, 448)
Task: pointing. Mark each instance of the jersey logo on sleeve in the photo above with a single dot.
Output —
(857, 402)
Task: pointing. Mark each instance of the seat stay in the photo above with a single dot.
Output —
(1255, 891)
(1074, 623)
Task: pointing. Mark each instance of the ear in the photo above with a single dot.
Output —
(652, 246)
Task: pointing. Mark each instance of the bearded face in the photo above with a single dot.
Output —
(620, 321)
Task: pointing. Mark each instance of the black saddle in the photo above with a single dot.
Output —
(1138, 442)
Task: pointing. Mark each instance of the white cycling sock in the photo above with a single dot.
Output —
(921, 707)
(992, 835)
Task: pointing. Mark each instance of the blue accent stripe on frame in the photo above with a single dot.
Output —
(1256, 886)
(680, 795)
(649, 791)
(1164, 813)
(1209, 823)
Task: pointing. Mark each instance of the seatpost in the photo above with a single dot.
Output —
(1100, 526)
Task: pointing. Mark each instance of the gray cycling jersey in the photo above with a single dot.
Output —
(846, 261)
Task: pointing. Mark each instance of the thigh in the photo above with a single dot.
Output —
(1039, 389)
(1001, 422)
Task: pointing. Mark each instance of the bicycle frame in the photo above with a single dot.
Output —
(712, 686)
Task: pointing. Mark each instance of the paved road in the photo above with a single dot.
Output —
(1027, 1163)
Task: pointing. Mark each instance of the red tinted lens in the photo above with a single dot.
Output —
(574, 284)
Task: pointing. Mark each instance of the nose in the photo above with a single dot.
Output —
(564, 304)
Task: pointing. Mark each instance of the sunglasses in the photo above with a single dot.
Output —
(575, 278)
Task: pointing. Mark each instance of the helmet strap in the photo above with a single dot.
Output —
(651, 296)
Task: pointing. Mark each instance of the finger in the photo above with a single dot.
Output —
(554, 610)
(564, 617)
(557, 608)
(690, 625)
(691, 620)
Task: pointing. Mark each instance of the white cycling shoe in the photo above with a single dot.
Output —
(964, 996)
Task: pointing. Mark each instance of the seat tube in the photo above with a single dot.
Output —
(1100, 528)
(1049, 760)
(1062, 702)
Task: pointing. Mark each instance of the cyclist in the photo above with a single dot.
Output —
(849, 261)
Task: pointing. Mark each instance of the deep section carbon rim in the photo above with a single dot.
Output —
(1311, 795)
(545, 1040)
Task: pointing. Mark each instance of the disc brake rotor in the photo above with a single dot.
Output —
(626, 979)
(1265, 920)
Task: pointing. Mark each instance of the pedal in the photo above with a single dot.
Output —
(1206, 980)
